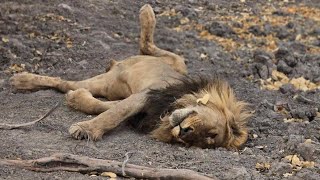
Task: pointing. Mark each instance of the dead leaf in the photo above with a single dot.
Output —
(287, 175)
(262, 167)
(204, 100)
(17, 68)
(108, 174)
(308, 164)
(184, 20)
(308, 141)
(5, 40)
(203, 56)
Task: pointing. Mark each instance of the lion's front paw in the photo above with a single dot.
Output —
(82, 130)
(24, 81)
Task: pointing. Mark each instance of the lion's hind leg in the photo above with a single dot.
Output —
(147, 46)
(28, 81)
(82, 100)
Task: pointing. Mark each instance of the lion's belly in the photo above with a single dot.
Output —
(136, 74)
(149, 74)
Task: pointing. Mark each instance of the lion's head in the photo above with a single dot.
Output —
(208, 116)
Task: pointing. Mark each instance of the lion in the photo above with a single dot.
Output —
(153, 92)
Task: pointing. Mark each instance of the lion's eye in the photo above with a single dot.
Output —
(184, 131)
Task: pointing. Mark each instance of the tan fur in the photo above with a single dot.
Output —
(126, 84)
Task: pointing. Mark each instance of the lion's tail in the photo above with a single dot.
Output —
(147, 46)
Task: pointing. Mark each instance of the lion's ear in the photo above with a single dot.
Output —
(237, 134)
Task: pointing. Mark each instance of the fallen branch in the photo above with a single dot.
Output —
(16, 126)
(83, 164)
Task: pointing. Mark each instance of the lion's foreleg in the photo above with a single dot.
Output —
(82, 100)
(108, 120)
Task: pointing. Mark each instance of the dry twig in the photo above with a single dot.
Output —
(83, 164)
(125, 162)
(16, 126)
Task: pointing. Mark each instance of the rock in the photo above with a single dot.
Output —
(65, 6)
(307, 151)
(280, 168)
(104, 45)
(2, 82)
(256, 30)
(282, 53)
(283, 67)
(237, 24)
(298, 47)
(262, 71)
(280, 13)
(290, 25)
(316, 31)
(220, 29)
(308, 174)
(83, 63)
(238, 173)
(282, 33)
(186, 11)
(294, 141)
(288, 88)
(263, 57)
(291, 61)
(247, 151)
(311, 114)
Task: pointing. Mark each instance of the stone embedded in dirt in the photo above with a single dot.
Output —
(291, 61)
(280, 168)
(316, 31)
(282, 32)
(65, 6)
(298, 113)
(306, 114)
(311, 114)
(186, 11)
(282, 53)
(307, 174)
(280, 13)
(307, 151)
(283, 67)
(237, 173)
(316, 42)
(287, 88)
(220, 29)
(263, 57)
(237, 24)
(263, 72)
(256, 30)
(290, 25)
(298, 47)
(294, 140)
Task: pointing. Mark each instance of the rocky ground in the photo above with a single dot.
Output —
(269, 51)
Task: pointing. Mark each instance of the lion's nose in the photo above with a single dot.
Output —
(179, 115)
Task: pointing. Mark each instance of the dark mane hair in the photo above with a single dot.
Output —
(160, 101)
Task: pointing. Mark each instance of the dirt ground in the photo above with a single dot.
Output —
(269, 51)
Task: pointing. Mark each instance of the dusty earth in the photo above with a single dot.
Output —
(269, 51)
